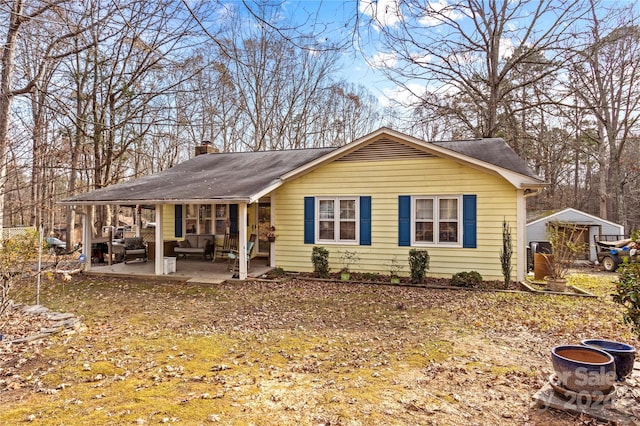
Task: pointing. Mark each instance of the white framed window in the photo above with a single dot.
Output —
(436, 220)
(191, 218)
(198, 218)
(337, 220)
(222, 219)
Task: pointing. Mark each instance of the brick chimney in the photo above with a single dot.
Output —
(206, 147)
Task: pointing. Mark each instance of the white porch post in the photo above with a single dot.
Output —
(159, 252)
(242, 244)
(138, 216)
(272, 246)
(521, 237)
(87, 220)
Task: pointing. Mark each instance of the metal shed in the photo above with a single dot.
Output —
(537, 226)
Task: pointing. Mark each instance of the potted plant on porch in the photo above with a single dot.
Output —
(565, 248)
(271, 234)
(347, 258)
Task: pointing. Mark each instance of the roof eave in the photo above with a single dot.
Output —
(518, 180)
(222, 200)
(258, 195)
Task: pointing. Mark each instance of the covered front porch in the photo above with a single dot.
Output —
(213, 195)
(191, 270)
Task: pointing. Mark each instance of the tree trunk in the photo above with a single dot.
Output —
(6, 97)
(603, 194)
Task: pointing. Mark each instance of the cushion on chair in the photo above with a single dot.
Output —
(204, 241)
(135, 243)
(184, 244)
(192, 240)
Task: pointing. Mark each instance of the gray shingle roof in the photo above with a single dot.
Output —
(225, 176)
(243, 175)
(493, 151)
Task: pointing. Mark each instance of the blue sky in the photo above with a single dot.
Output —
(336, 20)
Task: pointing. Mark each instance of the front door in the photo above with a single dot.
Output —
(264, 223)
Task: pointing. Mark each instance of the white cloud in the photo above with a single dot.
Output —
(384, 60)
(386, 13)
(421, 58)
(400, 95)
(436, 11)
(506, 48)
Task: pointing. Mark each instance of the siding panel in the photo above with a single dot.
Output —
(168, 222)
(385, 181)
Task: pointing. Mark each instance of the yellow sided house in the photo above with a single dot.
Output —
(378, 196)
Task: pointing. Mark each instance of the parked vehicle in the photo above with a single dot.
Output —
(612, 250)
(56, 245)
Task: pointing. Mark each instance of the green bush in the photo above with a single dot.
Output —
(505, 253)
(466, 279)
(276, 273)
(18, 255)
(320, 260)
(628, 294)
(419, 265)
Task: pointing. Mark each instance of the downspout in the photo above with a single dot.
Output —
(521, 231)
(530, 192)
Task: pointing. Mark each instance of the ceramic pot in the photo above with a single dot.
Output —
(583, 368)
(556, 284)
(624, 355)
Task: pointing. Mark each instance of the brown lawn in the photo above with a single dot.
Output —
(298, 352)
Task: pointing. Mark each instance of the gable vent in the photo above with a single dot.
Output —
(385, 149)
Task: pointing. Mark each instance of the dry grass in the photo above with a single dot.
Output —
(301, 353)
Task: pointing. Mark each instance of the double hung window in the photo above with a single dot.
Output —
(436, 220)
(337, 219)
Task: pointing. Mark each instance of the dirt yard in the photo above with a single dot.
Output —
(297, 352)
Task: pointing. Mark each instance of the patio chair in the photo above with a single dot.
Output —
(135, 249)
(229, 243)
(234, 255)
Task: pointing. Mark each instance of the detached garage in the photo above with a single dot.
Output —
(537, 223)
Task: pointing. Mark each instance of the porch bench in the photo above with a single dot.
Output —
(198, 245)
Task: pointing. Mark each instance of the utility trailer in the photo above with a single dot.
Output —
(612, 250)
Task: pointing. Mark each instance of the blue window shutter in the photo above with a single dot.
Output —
(469, 221)
(365, 221)
(309, 220)
(404, 220)
(178, 220)
(233, 219)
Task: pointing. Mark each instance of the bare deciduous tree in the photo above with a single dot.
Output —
(462, 55)
(606, 81)
(56, 44)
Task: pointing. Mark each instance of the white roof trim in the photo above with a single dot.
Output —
(572, 210)
(257, 196)
(161, 202)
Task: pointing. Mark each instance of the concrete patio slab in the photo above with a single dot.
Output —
(190, 270)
